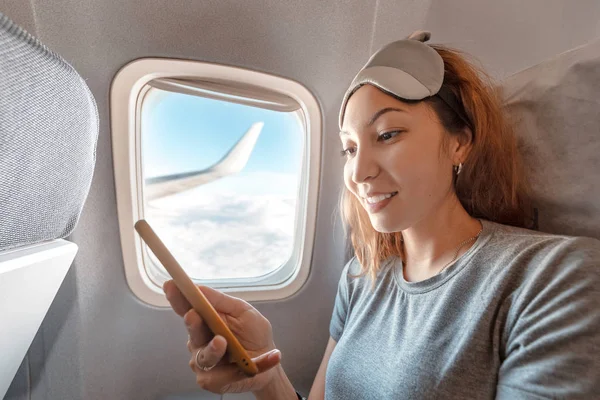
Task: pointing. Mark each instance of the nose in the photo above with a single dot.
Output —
(365, 166)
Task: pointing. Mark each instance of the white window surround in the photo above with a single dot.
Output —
(128, 89)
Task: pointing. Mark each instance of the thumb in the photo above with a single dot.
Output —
(224, 303)
(232, 373)
(266, 361)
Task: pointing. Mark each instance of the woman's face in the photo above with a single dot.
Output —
(395, 163)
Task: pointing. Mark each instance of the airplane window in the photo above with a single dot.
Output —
(224, 163)
(221, 183)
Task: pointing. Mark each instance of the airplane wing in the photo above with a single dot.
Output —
(233, 162)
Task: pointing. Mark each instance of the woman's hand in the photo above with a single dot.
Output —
(252, 329)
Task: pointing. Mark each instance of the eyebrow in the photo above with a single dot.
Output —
(381, 112)
(377, 115)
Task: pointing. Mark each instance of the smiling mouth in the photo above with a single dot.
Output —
(372, 200)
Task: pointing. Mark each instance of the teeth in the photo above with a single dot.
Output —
(381, 197)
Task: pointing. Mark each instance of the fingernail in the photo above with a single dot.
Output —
(213, 344)
(214, 341)
(273, 355)
(186, 320)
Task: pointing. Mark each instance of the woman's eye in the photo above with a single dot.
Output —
(389, 135)
(348, 152)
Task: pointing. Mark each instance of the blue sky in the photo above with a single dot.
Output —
(238, 226)
(185, 133)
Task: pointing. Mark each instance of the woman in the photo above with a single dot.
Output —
(448, 295)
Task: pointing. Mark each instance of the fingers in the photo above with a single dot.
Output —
(266, 361)
(210, 355)
(179, 303)
(216, 380)
(213, 371)
(224, 303)
(198, 331)
(220, 301)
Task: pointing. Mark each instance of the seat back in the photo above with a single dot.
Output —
(556, 108)
(48, 135)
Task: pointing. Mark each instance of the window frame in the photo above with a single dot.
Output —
(128, 89)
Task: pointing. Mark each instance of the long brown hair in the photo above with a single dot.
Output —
(491, 185)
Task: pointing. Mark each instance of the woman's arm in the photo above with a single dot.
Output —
(317, 392)
(281, 388)
(553, 330)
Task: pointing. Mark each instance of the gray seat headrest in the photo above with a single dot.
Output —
(48, 135)
(556, 108)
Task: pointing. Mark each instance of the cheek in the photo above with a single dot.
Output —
(348, 178)
(433, 181)
(401, 166)
(416, 171)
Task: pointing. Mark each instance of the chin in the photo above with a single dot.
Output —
(384, 225)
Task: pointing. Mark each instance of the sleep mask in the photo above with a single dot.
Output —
(407, 69)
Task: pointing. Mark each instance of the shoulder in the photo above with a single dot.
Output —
(352, 268)
(355, 280)
(538, 262)
(354, 271)
(544, 248)
(351, 274)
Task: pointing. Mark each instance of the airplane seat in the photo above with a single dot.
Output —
(555, 106)
(48, 135)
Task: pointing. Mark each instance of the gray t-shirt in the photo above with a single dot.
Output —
(516, 317)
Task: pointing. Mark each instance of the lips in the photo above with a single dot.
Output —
(380, 197)
(375, 202)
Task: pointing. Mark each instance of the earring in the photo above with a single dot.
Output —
(458, 168)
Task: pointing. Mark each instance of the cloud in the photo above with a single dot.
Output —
(235, 233)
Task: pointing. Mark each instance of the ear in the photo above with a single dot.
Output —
(461, 146)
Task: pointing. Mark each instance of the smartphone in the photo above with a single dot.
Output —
(237, 354)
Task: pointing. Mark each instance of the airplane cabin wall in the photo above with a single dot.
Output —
(98, 340)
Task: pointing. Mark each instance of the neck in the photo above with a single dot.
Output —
(431, 242)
